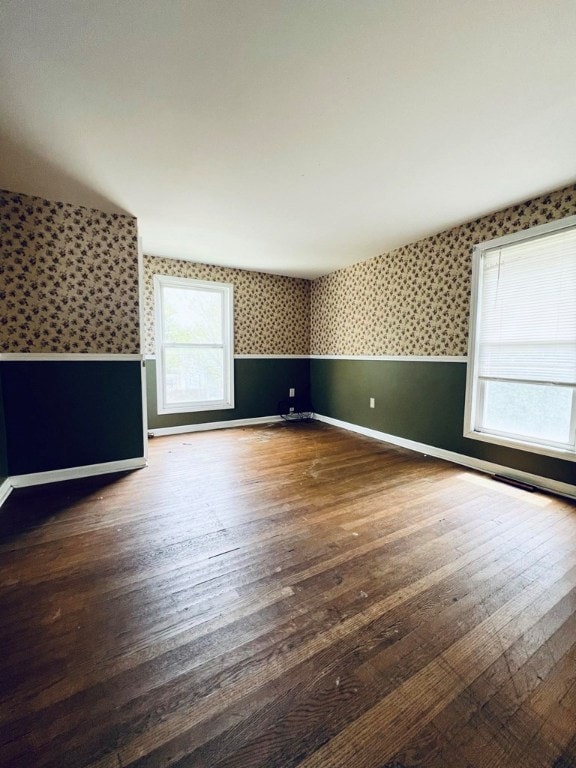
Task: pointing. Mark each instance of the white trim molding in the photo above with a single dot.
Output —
(507, 325)
(73, 473)
(141, 295)
(203, 427)
(82, 357)
(142, 324)
(545, 483)
(394, 358)
(5, 490)
(401, 358)
(271, 357)
(257, 357)
(224, 343)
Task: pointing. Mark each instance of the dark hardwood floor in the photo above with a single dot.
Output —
(291, 595)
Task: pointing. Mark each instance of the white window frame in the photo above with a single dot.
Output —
(473, 388)
(227, 292)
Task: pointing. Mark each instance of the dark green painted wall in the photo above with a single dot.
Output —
(421, 401)
(3, 456)
(259, 384)
(71, 413)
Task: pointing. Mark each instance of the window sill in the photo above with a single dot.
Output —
(194, 408)
(557, 453)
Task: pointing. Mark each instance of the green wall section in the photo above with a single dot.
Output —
(3, 455)
(421, 401)
(259, 385)
(71, 413)
(61, 414)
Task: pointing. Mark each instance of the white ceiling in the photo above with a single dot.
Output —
(290, 136)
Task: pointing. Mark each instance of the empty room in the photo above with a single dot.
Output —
(287, 384)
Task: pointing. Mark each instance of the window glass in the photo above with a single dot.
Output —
(533, 411)
(194, 345)
(521, 387)
(193, 316)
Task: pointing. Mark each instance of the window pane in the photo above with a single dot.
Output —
(192, 316)
(193, 375)
(534, 411)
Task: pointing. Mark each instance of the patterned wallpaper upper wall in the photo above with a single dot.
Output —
(68, 278)
(415, 300)
(271, 312)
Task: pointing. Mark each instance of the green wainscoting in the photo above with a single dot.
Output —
(417, 400)
(63, 414)
(259, 385)
(3, 455)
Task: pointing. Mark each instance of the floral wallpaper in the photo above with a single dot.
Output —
(271, 312)
(68, 278)
(69, 283)
(415, 300)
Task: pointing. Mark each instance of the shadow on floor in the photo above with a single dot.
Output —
(45, 502)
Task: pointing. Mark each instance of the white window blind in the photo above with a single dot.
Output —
(527, 308)
(521, 378)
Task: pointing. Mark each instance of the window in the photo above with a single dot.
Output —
(521, 388)
(194, 345)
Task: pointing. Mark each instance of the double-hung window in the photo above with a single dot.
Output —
(194, 345)
(521, 388)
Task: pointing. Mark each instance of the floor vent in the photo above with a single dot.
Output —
(515, 483)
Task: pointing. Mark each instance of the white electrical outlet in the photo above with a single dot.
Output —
(372, 402)
(291, 410)
(291, 392)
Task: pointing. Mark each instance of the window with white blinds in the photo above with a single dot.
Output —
(522, 363)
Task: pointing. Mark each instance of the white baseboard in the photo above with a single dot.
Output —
(555, 486)
(5, 490)
(161, 431)
(38, 478)
(73, 473)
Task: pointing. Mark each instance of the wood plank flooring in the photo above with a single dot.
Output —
(287, 595)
